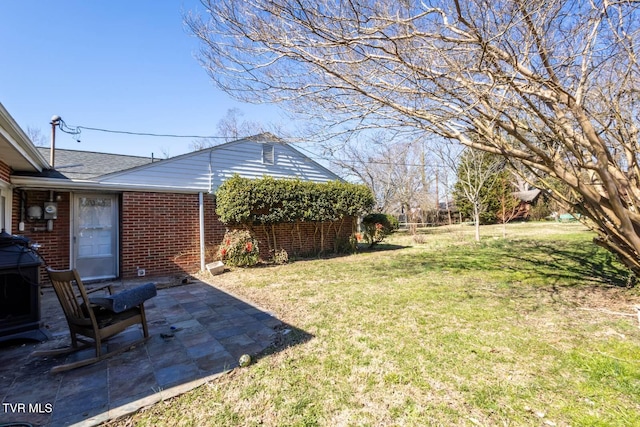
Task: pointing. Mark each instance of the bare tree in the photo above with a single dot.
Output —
(446, 179)
(551, 84)
(36, 136)
(230, 128)
(477, 172)
(509, 204)
(396, 171)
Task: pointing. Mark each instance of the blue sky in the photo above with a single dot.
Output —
(122, 65)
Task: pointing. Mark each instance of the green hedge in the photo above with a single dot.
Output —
(377, 226)
(272, 201)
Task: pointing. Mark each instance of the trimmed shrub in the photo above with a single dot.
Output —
(377, 227)
(267, 202)
(239, 248)
(272, 201)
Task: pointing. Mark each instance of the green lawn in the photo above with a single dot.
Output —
(525, 331)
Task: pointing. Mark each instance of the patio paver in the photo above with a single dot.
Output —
(197, 333)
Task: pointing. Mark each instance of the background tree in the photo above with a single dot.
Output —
(398, 172)
(230, 128)
(37, 137)
(508, 203)
(551, 84)
(477, 173)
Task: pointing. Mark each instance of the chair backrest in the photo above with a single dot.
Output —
(72, 296)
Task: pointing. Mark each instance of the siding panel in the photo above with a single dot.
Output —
(205, 170)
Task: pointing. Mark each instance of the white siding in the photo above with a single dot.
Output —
(205, 170)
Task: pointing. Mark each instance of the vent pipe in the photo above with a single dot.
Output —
(55, 121)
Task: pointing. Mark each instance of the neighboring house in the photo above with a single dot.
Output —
(527, 200)
(124, 216)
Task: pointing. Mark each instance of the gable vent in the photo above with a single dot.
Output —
(268, 156)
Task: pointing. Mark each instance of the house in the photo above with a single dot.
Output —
(17, 154)
(114, 216)
(527, 200)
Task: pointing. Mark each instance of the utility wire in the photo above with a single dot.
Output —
(77, 130)
(315, 156)
(150, 134)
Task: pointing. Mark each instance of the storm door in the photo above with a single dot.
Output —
(95, 235)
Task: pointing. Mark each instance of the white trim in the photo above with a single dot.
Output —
(72, 227)
(19, 140)
(7, 193)
(63, 184)
(201, 218)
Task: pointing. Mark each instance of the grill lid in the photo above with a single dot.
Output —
(16, 253)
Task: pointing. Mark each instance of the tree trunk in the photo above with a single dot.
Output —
(266, 235)
(504, 219)
(275, 243)
(476, 220)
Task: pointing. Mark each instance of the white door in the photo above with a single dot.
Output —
(95, 235)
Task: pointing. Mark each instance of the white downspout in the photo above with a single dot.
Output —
(201, 217)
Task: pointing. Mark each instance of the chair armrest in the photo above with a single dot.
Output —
(124, 300)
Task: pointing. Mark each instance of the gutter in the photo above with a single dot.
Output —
(20, 141)
(62, 184)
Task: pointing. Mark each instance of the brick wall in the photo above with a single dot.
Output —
(161, 233)
(55, 244)
(5, 171)
(303, 238)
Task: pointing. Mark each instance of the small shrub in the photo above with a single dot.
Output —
(539, 211)
(394, 224)
(348, 245)
(280, 256)
(378, 226)
(239, 248)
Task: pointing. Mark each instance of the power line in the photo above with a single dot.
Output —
(164, 135)
(315, 156)
(77, 130)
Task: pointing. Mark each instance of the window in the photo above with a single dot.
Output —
(268, 156)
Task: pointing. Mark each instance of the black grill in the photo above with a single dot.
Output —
(19, 290)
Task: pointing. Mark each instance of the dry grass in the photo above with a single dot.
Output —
(522, 331)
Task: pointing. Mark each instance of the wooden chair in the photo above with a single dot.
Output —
(94, 318)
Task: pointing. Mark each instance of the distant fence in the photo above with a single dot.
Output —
(406, 225)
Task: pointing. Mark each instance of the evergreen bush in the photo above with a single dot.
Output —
(378, 226)
(271, 201)
(239, 248)
(266, 202)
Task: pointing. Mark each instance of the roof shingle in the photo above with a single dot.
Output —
(79, 165)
